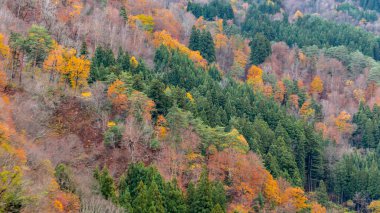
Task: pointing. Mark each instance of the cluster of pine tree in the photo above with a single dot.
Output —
(202, 41)
(311, 30)
(367, 133)
(142, 189)
(216, 8)
(370, 4)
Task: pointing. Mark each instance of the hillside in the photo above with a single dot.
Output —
(189, 106)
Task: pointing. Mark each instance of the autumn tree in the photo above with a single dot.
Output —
(294, 197)
(316, 85)
(255, 77)
(117, 93)
(79, 71)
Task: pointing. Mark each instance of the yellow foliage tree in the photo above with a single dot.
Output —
(342, 121)
(298, 14)
(220, 40)
(117, 93)
(375, 206)
(4, 49)
(79, 69)
(271, 190)
(134, 63)
(306, 111)
(146, 21)
(316, 85)
(255, 77)
(161, 129)
(165, 38)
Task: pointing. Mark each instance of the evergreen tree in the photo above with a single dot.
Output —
(64, 178)
(83, 49)
(203, 201)
(123, 13)
(321, 194)
(141, 202)
(106, 184)
(195, 38)
(191, 195)
(217, 209)
(218, 195)
(207, 48)
(174, 199)
(155, 201)
(260, 49)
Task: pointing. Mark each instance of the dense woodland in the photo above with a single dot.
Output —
(189, 106)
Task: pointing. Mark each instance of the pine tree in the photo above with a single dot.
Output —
(191, 195)
(64, 179)
(123, 13)
(155, 199)
(141, 203)
(203, 201)
(217, 209)
(106, 183)
(321, 194)
(218, 195)
(195, 38)
(83, 49)
(260, 49)
(174, 199)
(207, 48)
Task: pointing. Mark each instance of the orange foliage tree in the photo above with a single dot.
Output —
(244, 171)
(280, 92)
(117, 93)
(316, 86)
(342, 122)
(294, 198)
(306, 111)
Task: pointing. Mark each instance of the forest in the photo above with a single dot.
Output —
(213, 106)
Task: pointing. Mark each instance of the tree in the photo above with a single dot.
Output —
(207, 46)
(64, 178)
(37, 44)
(11, 196)
(374, 206)
(260, 49)
(4, 49)
(271, 190)
(255, 77)
(321, 194)
(123, 13)
(155, 200)
(316, 86)
(217, 209)
(141, 202)
(194, 42)
(174, 199)
(296, 197)
(83, 49)
(117, 93)
(203, 201)
(106, 184)
(79, 71)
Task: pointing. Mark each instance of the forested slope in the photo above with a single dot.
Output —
(187, 106)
